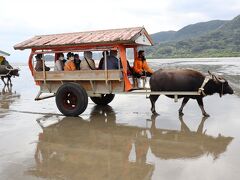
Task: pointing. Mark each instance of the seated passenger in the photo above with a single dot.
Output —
(39, 64)
(3, 61)
(140, 66)
(112, 61)
(77, 61)
(69, 65)
(100, 66)
(59, 64)
(87, 62)
(129, 69)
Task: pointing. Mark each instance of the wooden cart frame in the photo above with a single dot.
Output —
(99, 85)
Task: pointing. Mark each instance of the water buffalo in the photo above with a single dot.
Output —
(8, 72)
(187, 80)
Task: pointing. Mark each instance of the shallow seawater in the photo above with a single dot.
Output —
(122, 140)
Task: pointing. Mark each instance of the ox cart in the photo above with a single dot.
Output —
(71, 89)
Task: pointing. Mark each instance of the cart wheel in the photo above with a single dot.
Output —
(71, 99)
(103, 100)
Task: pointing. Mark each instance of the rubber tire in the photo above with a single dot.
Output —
(104, 100)
(80, 95)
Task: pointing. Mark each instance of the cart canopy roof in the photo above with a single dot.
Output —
(2, 53)
(126, 36)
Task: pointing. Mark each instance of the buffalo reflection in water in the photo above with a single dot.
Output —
(99, 148)
(7, 97)
(173, 144)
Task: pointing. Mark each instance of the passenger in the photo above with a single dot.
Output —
(140, 66)
(100, 66)
(59, 64)
(69, 65)
(3, 61)
(77, 61)
(39, 64)
(64, 61)
(129, 69)
(112, 61)
(87, 63)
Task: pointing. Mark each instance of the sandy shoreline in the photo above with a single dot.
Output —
(122, 140)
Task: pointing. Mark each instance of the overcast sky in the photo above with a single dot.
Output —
(22, 19)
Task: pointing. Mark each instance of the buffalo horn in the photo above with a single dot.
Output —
(209, 73)
(221, 80)
(218, 79)
(8, 69)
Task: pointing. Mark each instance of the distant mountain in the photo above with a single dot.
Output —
(197, 30)
(163, 36)
(231, 25)
(215, 38)
(190, 31)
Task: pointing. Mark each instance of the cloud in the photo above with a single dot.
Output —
(211, 9)
(23, 19)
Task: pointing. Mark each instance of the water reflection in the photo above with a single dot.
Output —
(99, 148)
(7, 97)
(174, 144)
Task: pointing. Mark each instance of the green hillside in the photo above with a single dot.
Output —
(163, 36)
(208, 39)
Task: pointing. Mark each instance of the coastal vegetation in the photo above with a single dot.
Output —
(217, 38)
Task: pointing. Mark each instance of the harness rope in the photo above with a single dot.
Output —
(201, 89)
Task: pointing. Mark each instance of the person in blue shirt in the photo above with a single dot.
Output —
(112, 61)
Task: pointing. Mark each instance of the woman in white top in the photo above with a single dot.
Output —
(87, 62)
(59, 64)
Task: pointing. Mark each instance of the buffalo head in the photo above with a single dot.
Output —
(221, 84)
(13, 72)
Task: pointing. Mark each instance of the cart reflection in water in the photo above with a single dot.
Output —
(99, 148)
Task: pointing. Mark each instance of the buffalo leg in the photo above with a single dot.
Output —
(7, 81)
(3, 81)
(200, 103)
(184, 127)
(184, 102)
(10, 81)
(153, 99)
(200, 127)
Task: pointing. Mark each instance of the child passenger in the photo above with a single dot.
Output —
(69, 65)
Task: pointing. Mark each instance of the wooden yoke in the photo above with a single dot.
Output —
(127, 83)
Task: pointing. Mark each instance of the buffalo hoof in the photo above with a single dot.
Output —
(206, 115)
(155, 113)
(180, 113)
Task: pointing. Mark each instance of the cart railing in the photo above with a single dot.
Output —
(84, 75)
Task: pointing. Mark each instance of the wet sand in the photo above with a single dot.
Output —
(122, 140)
